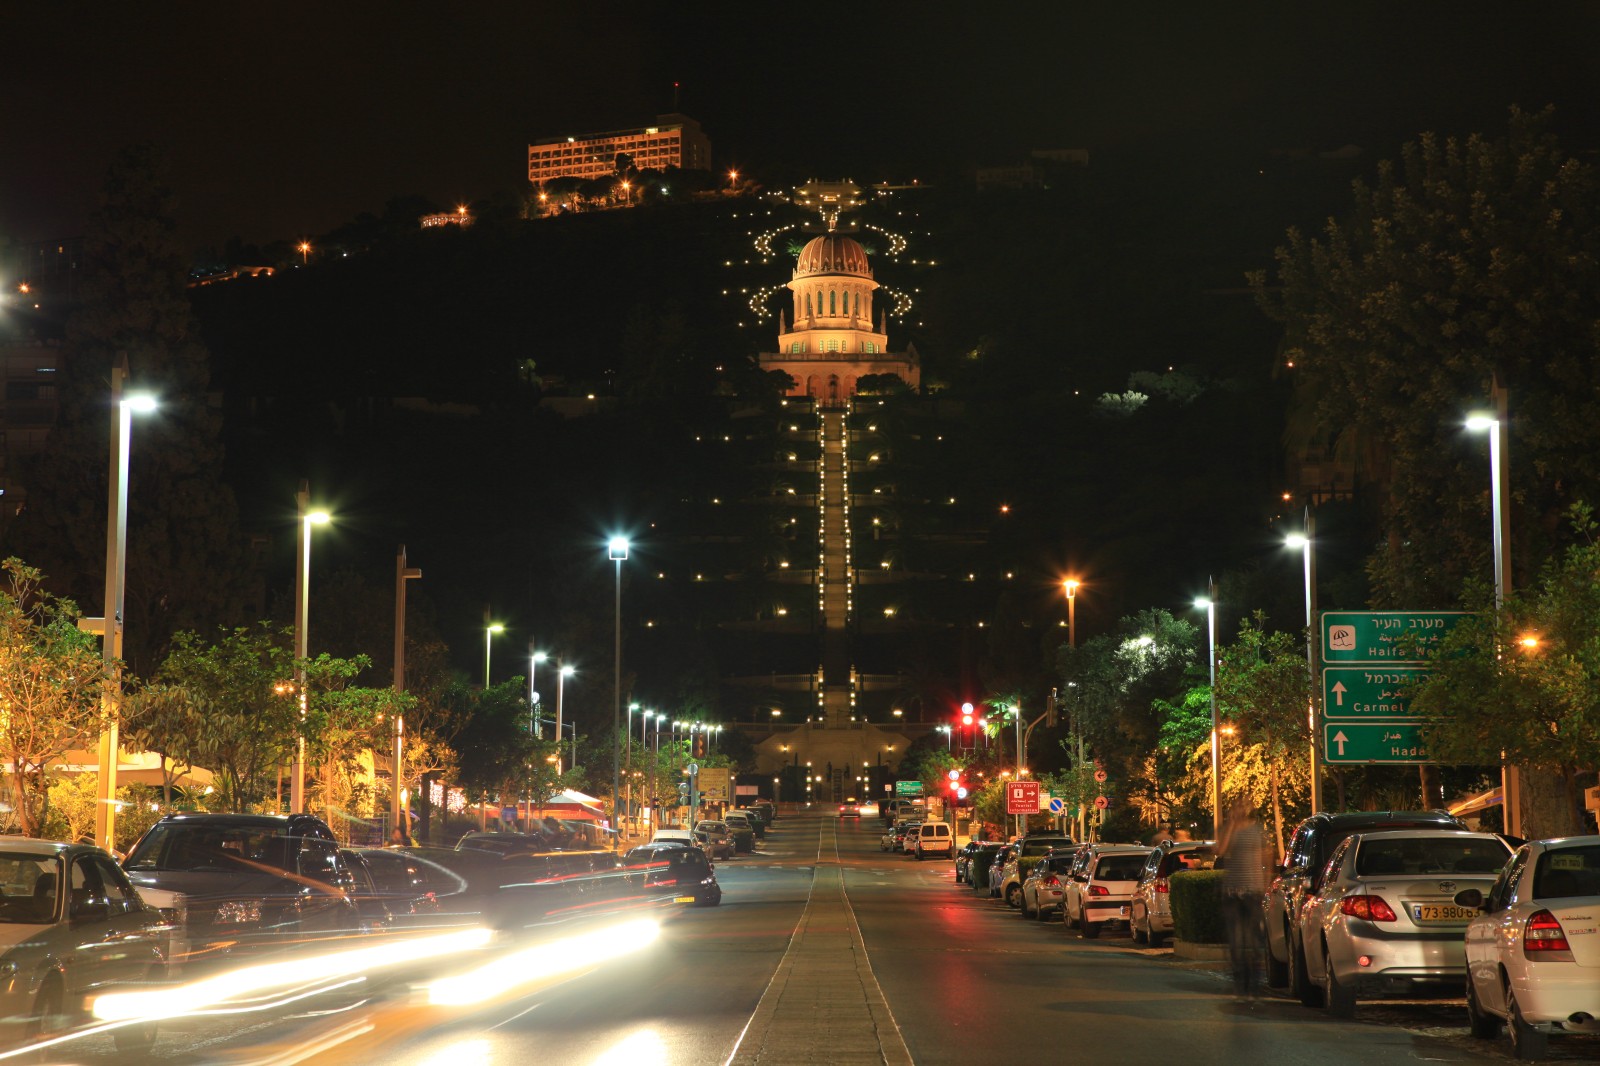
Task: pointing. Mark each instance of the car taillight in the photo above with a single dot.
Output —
(1053, 881)
(1543, 934)
(1162, 886)
(1099, 890)
(1368, 908)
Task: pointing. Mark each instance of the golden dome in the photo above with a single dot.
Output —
(832, 253)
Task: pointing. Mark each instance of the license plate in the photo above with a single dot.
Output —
(683, 899)
(1441, 912)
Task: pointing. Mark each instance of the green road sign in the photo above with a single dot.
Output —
(1384, 636)
(1364, 742)
(1366, 692)
(908, 788)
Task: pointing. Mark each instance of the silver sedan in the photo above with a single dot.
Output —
(1382, 917)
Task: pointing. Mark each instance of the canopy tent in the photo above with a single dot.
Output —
(133, 768)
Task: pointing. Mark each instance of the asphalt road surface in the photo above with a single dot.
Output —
(902, 965)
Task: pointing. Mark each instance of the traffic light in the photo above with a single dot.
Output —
(697, 745)
(966, 716)
(956, 784)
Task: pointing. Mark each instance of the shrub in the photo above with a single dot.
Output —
(1197, 907)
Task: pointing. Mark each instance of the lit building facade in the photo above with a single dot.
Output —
(676, 141)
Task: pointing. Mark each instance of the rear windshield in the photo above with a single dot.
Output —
(1567, 872)
(1179, 861)
(192, 846)
(1118, 867)
(1039, 847)
(1425, 856)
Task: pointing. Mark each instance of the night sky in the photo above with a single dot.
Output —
(286, 119)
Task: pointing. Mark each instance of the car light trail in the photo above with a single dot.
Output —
(251, 980)
(519, 968)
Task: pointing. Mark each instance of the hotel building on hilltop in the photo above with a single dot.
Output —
(676, 141)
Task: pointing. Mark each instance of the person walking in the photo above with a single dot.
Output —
(1244, 882)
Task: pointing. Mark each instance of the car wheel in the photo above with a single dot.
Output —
(1527, 1043)
(1089, 930)
(1013, 896)
(1300, 985)
(1483, 1025)
(1133, 931)
(1341, 998)
(48, 1010)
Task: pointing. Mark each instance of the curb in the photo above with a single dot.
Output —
(1188, 949)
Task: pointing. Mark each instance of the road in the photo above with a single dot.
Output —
(827, 950)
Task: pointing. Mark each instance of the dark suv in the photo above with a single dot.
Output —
(236, 883)
(1301, 874)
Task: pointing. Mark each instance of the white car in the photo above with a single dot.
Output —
(674, 836)
(1099, 889)
(1008, 885)
(1533, 951)
(934, 838)
(1381, 916)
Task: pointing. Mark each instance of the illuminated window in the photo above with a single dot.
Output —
(795, 348)
(808, 305)
(831, 305)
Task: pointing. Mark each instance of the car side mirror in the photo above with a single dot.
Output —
(1470, 897)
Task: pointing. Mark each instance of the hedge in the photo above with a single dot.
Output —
(1197, 907)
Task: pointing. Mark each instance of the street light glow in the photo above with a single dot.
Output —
(141, 403)
(1298, 541)
(617, 548)
(319, 518)
(1479, 423)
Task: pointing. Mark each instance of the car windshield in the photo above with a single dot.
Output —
(1563, 873)
(1039, 847)
(1427, 855)
(1118, 867)
(28, 887)
(199, 846)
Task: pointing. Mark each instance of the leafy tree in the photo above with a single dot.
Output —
(186, 561)
(163, 719)
(1264, 690)
(1465, 261)
(495, 745)
(51, 675)
(1526, 684)
(239, 686)
(881, 385)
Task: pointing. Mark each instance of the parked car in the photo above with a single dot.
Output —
(394, 889)
(673, 835)
(714, 839)
(233, 884)
(972, 864)
(743, 833)
(934, 838)
(1382, 916)
(894, 839)
(1042, 889)
(1532, 948)
(1309, 848)
(1099, 889)
(503, 843)
(73, 927)
(758, 824)
(908, 843)
(768, 809)
(1150, 911)
(1032, 846)
(1005, 857)
(663, 871)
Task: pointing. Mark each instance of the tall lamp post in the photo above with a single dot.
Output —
(617, 552)
(562, 673)
(306, 518)
(489, 631)
(1071, 586)
(1497, 426)
(534, 659)
(110, 625)
(1209, 602)
(402, 574)
(1304, 542)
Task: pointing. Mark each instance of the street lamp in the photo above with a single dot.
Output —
(1209, 602)
(304, 248)
(534, 659)
(1303, 542)
(617, 552)
(562, 673)
(1070, 586)
(402, 574)
(110, 625)
(1497, 426)
(489, 630)
(302, 581)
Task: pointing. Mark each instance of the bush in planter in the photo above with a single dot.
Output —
(1197, 907)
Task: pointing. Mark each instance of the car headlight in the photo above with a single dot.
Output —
(238, 911)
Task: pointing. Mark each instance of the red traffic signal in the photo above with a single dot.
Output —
(966, 715)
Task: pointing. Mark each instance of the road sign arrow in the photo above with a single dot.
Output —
(1338, 693)
(1340, 739)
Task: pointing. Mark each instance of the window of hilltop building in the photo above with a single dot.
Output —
(795, 348)
(869, 347)
(833, 346)
(831, 304)
(808, 305)
(857, 312)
